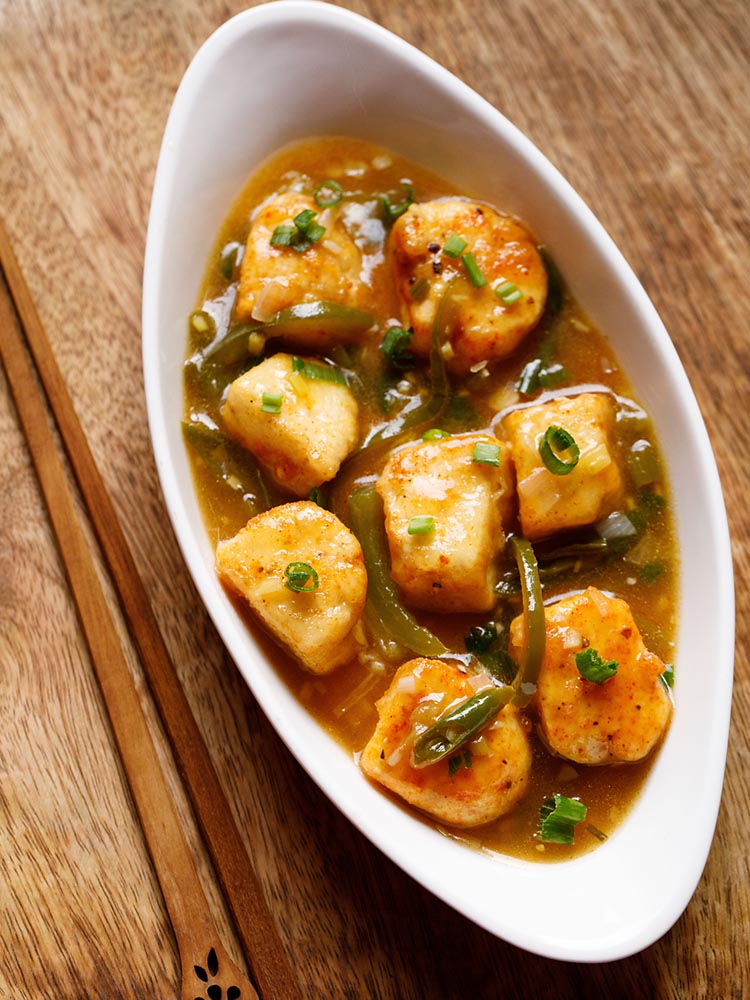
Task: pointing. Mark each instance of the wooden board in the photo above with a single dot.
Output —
(645, 109)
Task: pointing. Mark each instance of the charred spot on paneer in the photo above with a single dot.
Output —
(297, 416)
(560, 484)
(483, 780)
(301, 571)
(600, 698)
(500, 301)
(445, 505)
(283, 267)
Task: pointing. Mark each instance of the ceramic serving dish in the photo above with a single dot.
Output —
(289, 70)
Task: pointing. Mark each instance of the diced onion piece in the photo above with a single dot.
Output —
(596, 459)
(395, 756)
(539, 491)
(407, 684)
(615, 526)
(572, 639)
(269, 301)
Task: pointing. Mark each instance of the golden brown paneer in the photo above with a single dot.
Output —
(548, 502)
(499, 756)
(453, 566)
(619, 719)
(273, 553)
(299, 428)
(273, 278)
(484, 327)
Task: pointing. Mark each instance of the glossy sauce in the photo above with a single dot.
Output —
(343, 702)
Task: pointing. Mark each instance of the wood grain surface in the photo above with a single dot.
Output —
(645, 107)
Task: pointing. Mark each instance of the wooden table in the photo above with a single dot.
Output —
(645, 108)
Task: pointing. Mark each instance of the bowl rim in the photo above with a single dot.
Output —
(333, 18)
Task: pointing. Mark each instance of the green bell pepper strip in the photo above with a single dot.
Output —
(458, 726)
(366, 516)
(533, 614)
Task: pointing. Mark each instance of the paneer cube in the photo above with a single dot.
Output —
(317, 622)
(489, 774)
(549, 502)
(487, 322)
(273, 278)
(621, 718)
(454, 565)
(299, 428)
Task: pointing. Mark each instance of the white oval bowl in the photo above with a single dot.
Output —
(289, 70)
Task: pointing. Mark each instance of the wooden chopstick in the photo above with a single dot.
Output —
(254, 924)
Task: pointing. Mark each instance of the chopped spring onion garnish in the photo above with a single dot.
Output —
(228, 260)
(396, 347)
(667, 677)
(455, 762)
(435, 434)
(329, 193)
(394, 211)
(485, 453)
(301, 235)
(301, 578)
(533, 617)
(420, 290)
(593, 668)
(558, 817)
(458, 726)
(271, 402)
(651, 571)
(479, 638)
(323, 373)
(508, 292)
(318, 496)
(454, 246)
(421, 525)
(555, 442)
(476, 277)
(535, 374)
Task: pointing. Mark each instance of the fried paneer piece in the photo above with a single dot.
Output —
(273, 278)
(304, 443)
(548, 502)
(483, 328)
(422, 691)
(454, 567)
(620, 719)
(317, 626)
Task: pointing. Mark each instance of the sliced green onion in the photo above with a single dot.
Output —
(435, 434)
(593, 668)
(458, 726)
(528, 383)
(485, 453)
(454, 246)
(228, 260)
(558, 818)
(322, 373)
(327, 194)
(271, 402)
(366, 515)
(479, 638)
(396, 347)
(301, 235)
(533, 617)
(421, 525)
(318, 497)
(283, 235)
(651, 571)
(552, 376)
(555, 442)
(476, 277)
(508, 292)
(392, 212)
(419, 291)
(454, 763)
(301, 578)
